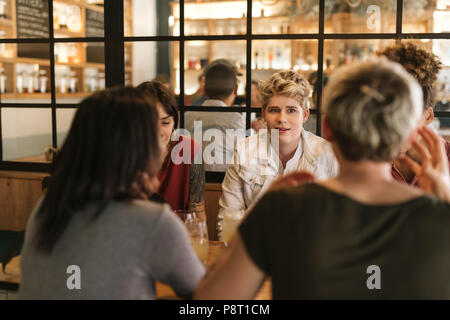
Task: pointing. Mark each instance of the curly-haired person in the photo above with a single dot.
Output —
(424, 66)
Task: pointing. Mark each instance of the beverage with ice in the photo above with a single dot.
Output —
(200, 246)
(231, 221)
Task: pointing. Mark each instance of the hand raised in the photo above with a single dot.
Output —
(432, 173)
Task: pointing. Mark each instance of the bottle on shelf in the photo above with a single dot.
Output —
(270, 58)
(19, 82)
(36, 78)
(3, 14)
(28, 77)
(72, 82)
(2, 81)
(257, 62)
(42, 81)
(101, 80)
(63, 83)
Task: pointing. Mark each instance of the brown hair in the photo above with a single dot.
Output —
(113, 137)
(157, 90)
(423, 65)
(287, 83)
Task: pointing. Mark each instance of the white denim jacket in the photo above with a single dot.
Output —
(254, 168)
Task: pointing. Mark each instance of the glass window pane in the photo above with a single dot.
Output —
(145, 18)
(442, 125)
(64, 118)
(339, 52)
(198, 54)
(26, 133)
(426, 16)
(284, 17)
(78, 19)
(145, 61)
(24, 79)
(360, 16)
(79, 70)
(214, 18)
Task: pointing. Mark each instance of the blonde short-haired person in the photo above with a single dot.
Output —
(285, 102)
(360, 235)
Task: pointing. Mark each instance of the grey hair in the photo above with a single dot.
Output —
(287, 83)
(372, 107)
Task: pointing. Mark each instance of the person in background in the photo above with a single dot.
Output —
(424, 66)
(92, 236)
(285, 106)
(257, 120)
(182, 182)
(221, 84)
(350, 237)
(199, 96)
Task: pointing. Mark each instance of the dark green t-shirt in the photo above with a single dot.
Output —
(318, 244)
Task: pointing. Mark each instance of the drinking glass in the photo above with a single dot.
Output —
(231, 220)
(198, 233)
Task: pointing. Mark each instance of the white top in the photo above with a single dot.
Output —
(218, 134)
(255, 168)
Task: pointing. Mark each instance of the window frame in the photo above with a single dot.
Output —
(114, 41)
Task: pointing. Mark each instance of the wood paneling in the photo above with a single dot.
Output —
(19, 192)
(213, 191)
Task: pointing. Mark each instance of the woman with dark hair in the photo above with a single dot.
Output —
(182, 180)
(91, 237)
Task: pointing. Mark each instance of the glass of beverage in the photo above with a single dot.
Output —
(198, 233)
(231, 221)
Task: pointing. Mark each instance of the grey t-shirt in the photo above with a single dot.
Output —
(120, 255)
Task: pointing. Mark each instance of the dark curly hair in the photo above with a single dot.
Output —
(420, 63)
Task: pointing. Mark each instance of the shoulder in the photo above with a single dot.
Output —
(317, 146)
(317, 143)
(146, 213)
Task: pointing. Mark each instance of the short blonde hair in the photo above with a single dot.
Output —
(372, 107)
(287, 83)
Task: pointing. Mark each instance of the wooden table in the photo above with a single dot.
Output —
(215, 249)
(163, 291)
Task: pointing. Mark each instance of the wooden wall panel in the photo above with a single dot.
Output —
(19, 192)
(213, 191)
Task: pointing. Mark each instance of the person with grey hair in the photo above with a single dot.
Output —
(261, 158)
(362, 234)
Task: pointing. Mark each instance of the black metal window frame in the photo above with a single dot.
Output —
(115, 72)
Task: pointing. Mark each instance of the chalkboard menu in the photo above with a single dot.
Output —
(32, 22)
(32, 18)
(95, 23)
(95, 27)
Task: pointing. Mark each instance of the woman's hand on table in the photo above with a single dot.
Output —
(432, 173)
